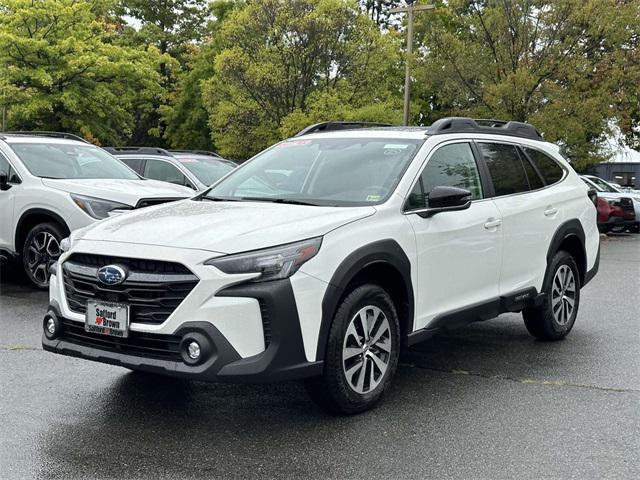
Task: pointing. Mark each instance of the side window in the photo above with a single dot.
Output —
(547, 166)
(450, 166)
(505, 168)
(5, 167)
(135, 164)
(164, 171)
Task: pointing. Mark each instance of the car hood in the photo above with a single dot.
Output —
(223, 227)
(124, 191)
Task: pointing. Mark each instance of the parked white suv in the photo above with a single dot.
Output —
(54, 183)
(324, 255)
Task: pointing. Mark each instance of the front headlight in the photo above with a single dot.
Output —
(271, 263)
(97, 207)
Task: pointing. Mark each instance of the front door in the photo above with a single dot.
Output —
(459, 252)
(7, 202)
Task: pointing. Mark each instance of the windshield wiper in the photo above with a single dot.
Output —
(220, 199)
(288, 201)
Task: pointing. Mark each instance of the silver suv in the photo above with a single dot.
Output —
(196, 169)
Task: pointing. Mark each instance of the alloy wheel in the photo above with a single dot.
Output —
(563, 295)
(43, 251)
(366, 350)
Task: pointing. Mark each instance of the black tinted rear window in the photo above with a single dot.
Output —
(547, 166)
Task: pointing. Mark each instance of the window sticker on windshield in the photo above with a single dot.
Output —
(395, 146)
(187, 160)
(373, 198)
(292, 143)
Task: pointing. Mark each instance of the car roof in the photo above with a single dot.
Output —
(20, 138)
(421, 133)
(37, 135)
(200, 155)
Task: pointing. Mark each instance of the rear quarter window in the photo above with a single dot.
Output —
(550, 170)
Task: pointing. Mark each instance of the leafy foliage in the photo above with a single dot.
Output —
(185, 117)
(175, 28)
(237, 75)
(61, 69)
(557, 64)
(285, 64)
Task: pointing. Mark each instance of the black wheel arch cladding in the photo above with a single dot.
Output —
(44, 216)
(569, 231)
(383, 252)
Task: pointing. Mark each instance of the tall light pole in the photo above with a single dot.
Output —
(409, 9)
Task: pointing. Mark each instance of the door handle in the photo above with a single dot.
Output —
(550, 212)
(492, 223)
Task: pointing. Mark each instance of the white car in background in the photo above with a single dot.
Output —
(52, 184)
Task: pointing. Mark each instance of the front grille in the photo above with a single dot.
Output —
(153, 289)
(148, 345)
(149, 202)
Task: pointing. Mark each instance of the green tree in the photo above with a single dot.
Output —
(554, 63)
(286, 64)
(64, 70)
(185, 117)
(175, 28)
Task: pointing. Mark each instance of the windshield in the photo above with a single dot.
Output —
(327, 171)
(207, 170)
(71, 161)
(604, 186)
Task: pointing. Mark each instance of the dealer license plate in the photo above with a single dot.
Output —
(107, 319)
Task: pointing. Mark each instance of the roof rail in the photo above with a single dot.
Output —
(495, 127)
(334, 126)
(42, 133)
(197, 152)
(137, 151)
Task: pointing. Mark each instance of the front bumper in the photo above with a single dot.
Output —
(283, 358)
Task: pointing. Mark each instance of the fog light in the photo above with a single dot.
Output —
(193, 350)
(51, 326)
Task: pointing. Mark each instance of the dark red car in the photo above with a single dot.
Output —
(612, 213)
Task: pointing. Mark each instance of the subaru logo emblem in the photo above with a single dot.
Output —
(111, 274)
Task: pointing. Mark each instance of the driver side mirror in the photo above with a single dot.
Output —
(445, 199)
(4, 181)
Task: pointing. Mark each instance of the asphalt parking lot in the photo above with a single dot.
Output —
(487, 401)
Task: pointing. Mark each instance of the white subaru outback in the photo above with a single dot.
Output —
(52, 183)
(327, 253)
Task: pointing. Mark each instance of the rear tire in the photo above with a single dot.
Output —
(41, 249)
(555, 317)
(362, 353)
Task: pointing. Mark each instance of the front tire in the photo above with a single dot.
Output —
(41, 249)
(555, 317)
(362, 353)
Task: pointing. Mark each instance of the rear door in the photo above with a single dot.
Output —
(530, 212)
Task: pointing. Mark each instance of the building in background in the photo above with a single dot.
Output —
(623, 169)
